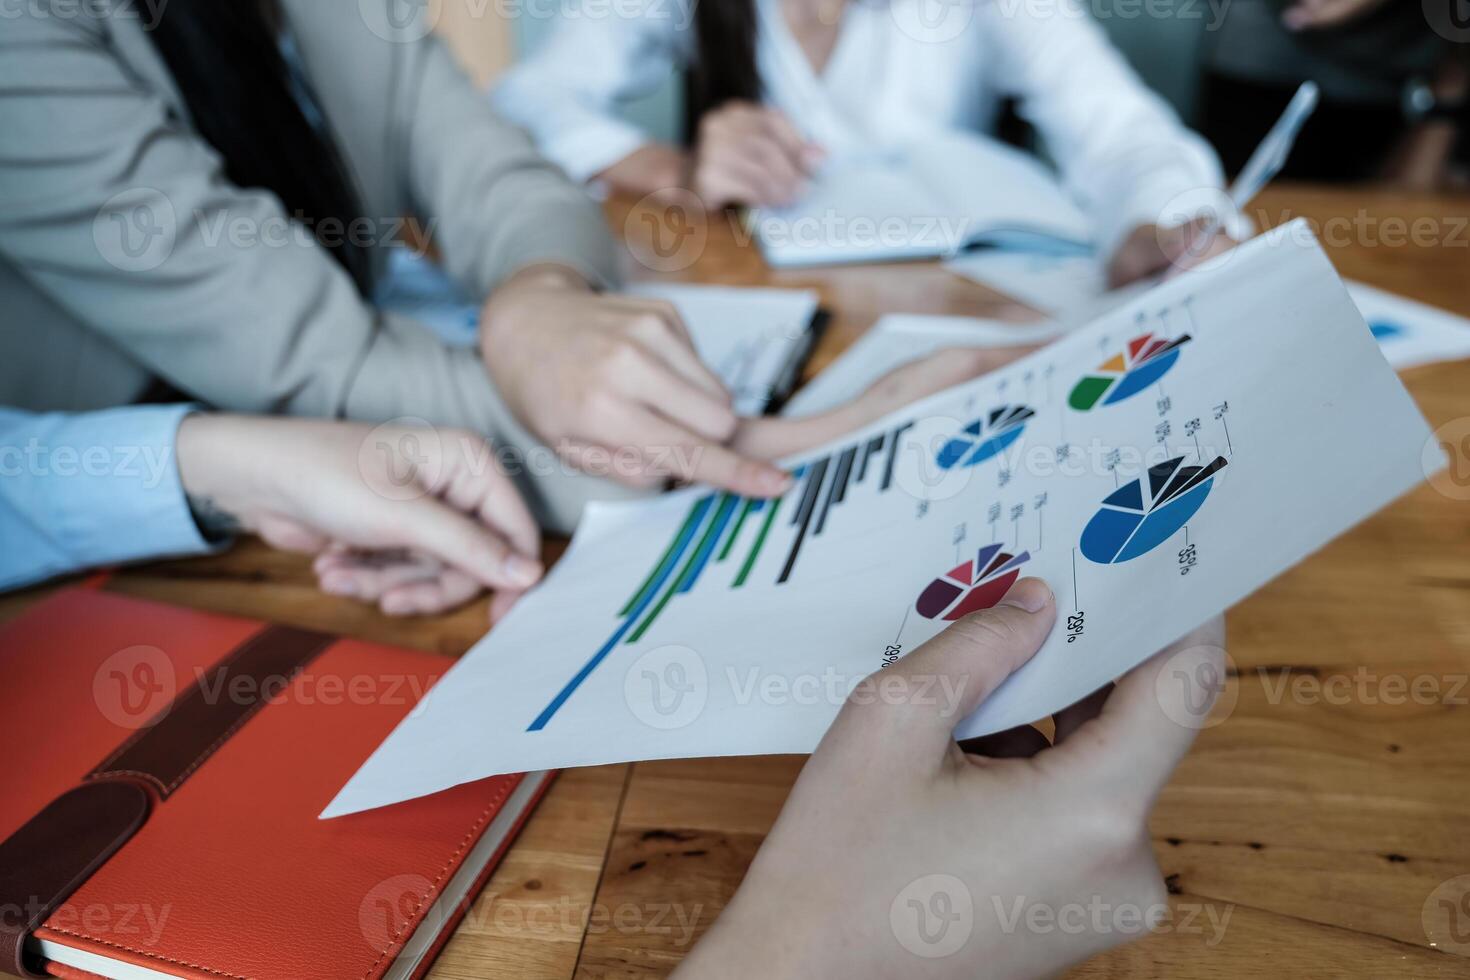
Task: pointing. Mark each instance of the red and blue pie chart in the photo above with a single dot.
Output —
(1139, 516)
(1143, 362)
(985, 437)
(973, 586)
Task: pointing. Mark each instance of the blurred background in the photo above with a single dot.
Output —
(1393, 73)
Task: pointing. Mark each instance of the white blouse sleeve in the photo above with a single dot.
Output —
(1122, 151)
(566, 92)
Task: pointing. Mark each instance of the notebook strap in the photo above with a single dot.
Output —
(47, 859)
(57, 850)
(202, 718)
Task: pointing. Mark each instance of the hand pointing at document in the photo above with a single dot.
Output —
(614, 383)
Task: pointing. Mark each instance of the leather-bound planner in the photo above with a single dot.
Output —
(164, 774)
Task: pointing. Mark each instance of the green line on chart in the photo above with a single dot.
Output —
(658, 569)
(760, 541)
(678, 581)
(735, 534)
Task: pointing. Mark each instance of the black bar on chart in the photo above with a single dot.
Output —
(844, 474)
(838, 489)
(804, 514)
(873, 447)
(893, 454)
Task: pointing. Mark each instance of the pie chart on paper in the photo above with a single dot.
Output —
(1143, 362)
(985, 437)
(1139, 516)
(973, 586)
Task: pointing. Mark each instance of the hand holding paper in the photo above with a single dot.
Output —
(828, 894)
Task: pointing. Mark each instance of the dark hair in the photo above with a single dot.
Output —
(724, 67)
(225, 57)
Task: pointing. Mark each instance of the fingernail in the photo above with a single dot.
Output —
(523, 571)
(1030, 594)
(774, 482)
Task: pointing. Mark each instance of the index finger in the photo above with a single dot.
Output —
(699, 460)
(776, 437)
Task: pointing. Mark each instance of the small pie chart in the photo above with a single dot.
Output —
(1139, 516)
(985, 437)
(973, 586)
(1145, 360)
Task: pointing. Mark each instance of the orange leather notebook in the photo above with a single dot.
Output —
(159, 815)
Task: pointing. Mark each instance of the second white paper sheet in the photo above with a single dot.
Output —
(1154, 467)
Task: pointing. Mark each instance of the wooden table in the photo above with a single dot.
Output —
(1319, 823)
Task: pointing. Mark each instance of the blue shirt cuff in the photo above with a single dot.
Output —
(92, 489)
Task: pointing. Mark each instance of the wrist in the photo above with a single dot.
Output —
(543, 276)
(523, 299)
(222, 487)
(760, 933)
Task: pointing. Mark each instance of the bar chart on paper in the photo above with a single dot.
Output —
(728, 537)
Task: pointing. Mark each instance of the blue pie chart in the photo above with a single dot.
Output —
(1139, 516)
(984, 437)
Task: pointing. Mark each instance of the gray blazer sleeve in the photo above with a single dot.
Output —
(113, 208)
(494, 201)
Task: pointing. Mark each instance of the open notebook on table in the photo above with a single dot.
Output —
(927, 199)
(1058, 282)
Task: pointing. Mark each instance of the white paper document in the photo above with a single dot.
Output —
(1052, 284)
(1411, 334)
(924, 200)
(1154, 467)
(1074, 291)
(753, 339)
